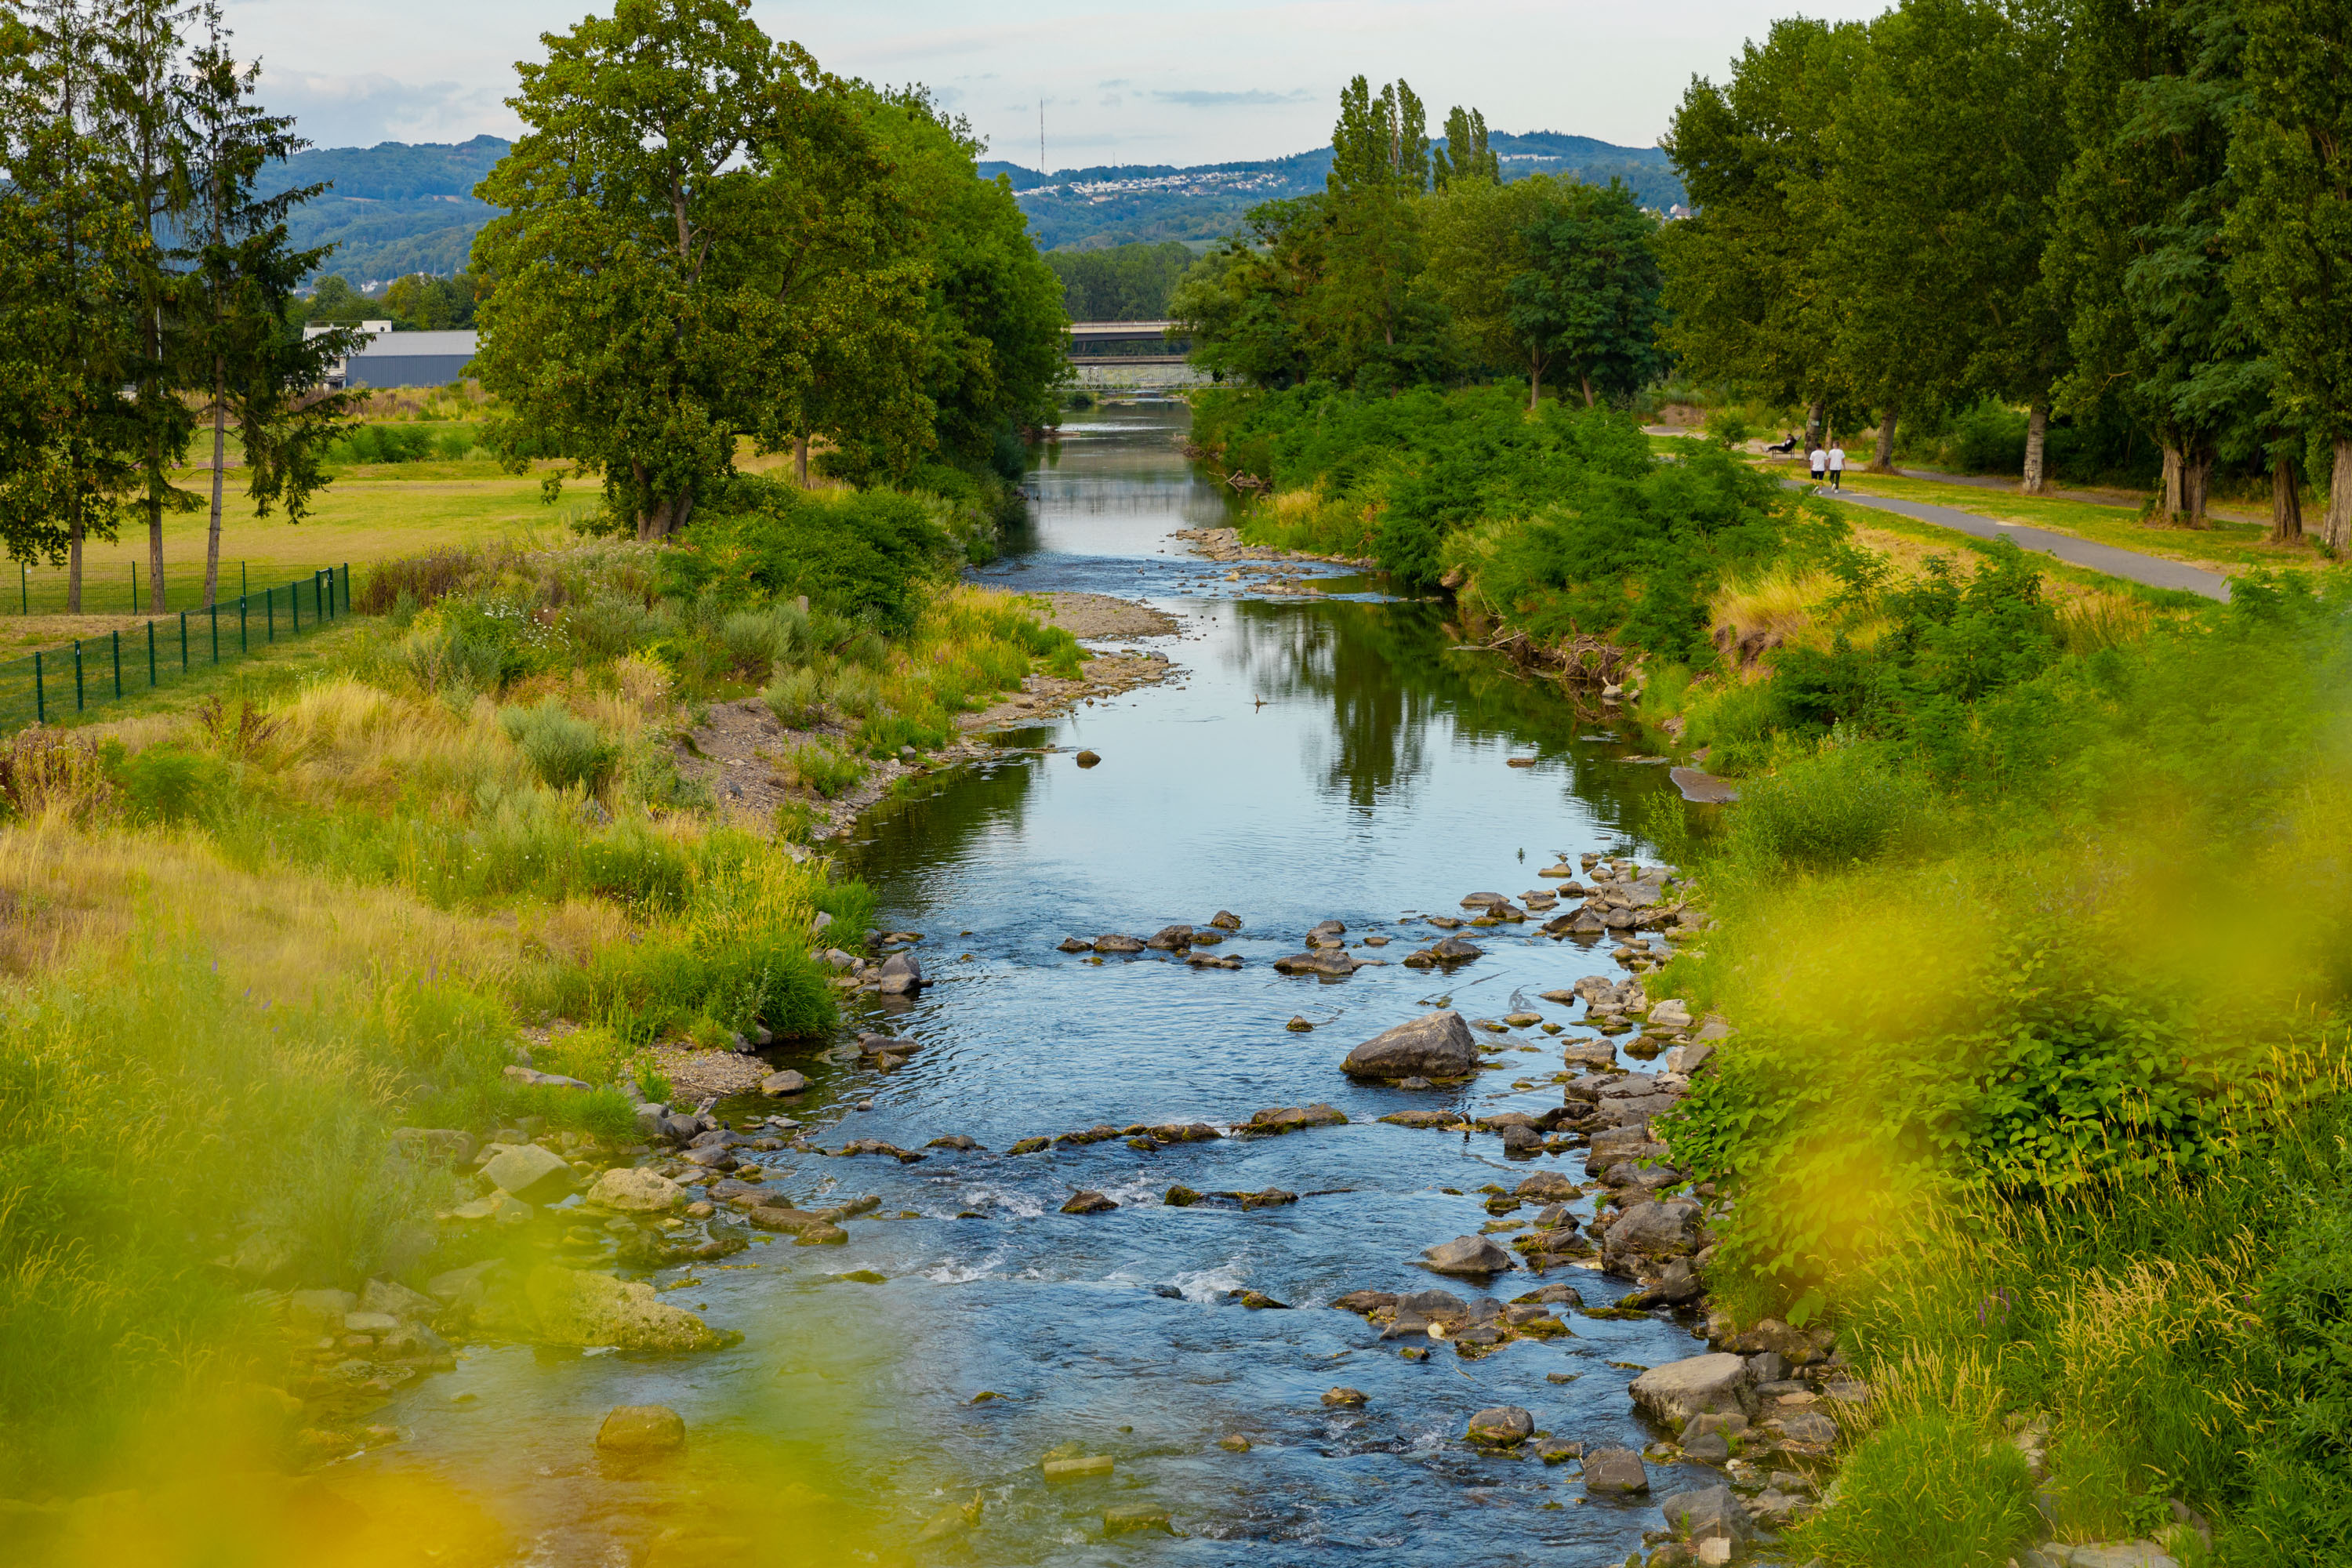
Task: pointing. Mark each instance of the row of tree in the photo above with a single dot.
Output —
(419, 302)
(1417, 265)
(2085, 208)
(705, 238)
(1121, 282)
(143, 281)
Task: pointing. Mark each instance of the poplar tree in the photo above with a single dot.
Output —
(2292, 234)
(1466, 159)
(1378, 332)
(241, 346)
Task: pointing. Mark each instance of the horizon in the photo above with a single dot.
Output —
(1119, 84)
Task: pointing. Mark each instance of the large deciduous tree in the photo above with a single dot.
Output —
(2293, 231)
(1589, 299)
(643, 313)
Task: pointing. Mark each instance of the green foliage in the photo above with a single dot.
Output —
(1121, 283)
(1840, 806)
(1932, 1487)
(796, 697)
(175, 785)
(862, 553)
(564, 750)
(390, 444)
(820, 767)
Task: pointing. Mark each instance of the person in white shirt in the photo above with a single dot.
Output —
(1837, 468)
(1820, 459)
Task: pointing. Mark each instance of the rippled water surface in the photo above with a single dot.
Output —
(1316, 758)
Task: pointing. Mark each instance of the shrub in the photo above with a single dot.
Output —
(1931, 1489)
(175, 785)
(1841, 805)
(856, 691)
(454, 445)
(821, 768)
(610, 625)
(865, 553)
(754, 640)
(796, 698)
(563, 748)
(426, 579)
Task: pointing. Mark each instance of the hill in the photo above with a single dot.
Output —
(393, 208)
(1121, 202)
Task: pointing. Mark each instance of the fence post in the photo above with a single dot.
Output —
(134, 587)
(347, 587)
(115, 637)
(216, 609)
(40, 697)
(151, 656)
(77, 696)
(184, 642)
(24, 589)
(244, 610)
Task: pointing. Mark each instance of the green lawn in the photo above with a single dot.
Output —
(2224, 543)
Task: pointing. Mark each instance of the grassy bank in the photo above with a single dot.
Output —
(242, 941)
(2030, 923)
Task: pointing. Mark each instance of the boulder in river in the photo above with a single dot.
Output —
(1169, 939)
(1616, 1472)
(1088, 759)
(554, 1305)
(1225, 919)
(1346, 1398)
(1483, 900)
(635, 1190)
(1434, 1046)
(1504, 1426)
(805, 1229)
(1471, 1256)
(1451, 951)
(1293, 1119)
(1087, 1202)
(1715, 1384)
(534, 1174)
(776, 1085)
(1114, 942)
(1298, 1025)
(1712, 1514)
(1547, 1186)
(1322, 961)
(1650, 1232)
(642, 1429)
(902, 974)
(1074, 945)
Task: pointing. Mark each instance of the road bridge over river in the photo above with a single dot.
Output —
(1130, 354)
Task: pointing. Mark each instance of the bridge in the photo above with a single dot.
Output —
(1088, 339)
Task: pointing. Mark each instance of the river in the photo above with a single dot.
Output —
(1317, 758)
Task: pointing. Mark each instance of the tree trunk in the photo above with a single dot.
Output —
(220, 460)
(1883, 461)
(2197, 478)
(1585, 382)
(2168, 501)
(1817, 415)
(800, 459)
(2286, 503)
(2339, 499)
(2037, 440)
(1535, 381)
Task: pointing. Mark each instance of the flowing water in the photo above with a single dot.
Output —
(1328, 757)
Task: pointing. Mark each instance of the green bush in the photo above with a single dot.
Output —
(611, 626)
(1929, 1489)
(175, 785)
(796, 697)
(564, 750)
(1840, 806)
(754, 640)
(856, 691)
(862, 554)
(828, 772)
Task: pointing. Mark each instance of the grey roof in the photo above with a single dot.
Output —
(402, 346)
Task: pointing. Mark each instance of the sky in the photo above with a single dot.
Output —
(1120, 83)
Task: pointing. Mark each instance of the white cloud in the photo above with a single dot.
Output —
(361, 110)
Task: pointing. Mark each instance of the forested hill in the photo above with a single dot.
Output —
(392, 208)
(1117, 203)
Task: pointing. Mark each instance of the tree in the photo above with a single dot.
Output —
(679, 169)
(1377, 330)
(69, 334)
(1590, 296)
(1249, 305)
(2136, 255)
(1478, 245)
(1466, 159)
(242, 344)
(425, 303)
(1747, 296)
(2291, 235)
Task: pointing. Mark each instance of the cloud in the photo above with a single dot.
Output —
(1255, 98)
(1111, 100)
(361, 110)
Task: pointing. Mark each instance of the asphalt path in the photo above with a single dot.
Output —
(2129, 564)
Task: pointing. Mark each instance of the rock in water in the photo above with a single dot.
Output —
(902, 974)
(1322, 960)
(1088, 759)
(1716, 1384)
(1616, 1472)
(1436, 1046)
(778, 1084)
(1713, 1514)
(636, 1191)
(1346, 1398)
(1451, 951)
(1298, 1025)
(1074, 945)
(560, 1306)
(1225, 919)
(1169, 939)
(642, 1429)
(1130, 1517)
(1088, 1202)
(1504, 1427)
(1471, 1256)
(1650, 1232)
(534, 1174)
(1547, 1186)
(1116, 943)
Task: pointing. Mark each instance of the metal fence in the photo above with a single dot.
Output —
(56, 683)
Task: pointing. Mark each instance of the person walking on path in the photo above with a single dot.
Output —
(1837, 468)
(1819, 461)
